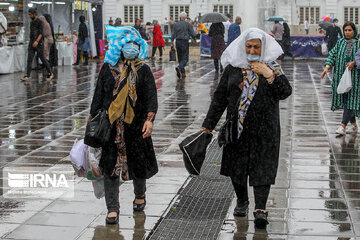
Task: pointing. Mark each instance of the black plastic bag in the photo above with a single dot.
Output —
(194, 150)
(172, 55)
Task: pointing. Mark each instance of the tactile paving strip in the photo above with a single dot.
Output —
(201, 206)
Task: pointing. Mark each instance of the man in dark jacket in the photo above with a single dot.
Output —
(140, 29)
(332, 33)
(234, 30)
(182, 33)
(36, 45)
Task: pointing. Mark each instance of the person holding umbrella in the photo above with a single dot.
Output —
(332, 33)
(182, 33)
(218, 46)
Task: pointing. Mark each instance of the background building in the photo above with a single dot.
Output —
(253, 12)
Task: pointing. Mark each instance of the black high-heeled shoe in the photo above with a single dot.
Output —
(112, 220)
(139, 207)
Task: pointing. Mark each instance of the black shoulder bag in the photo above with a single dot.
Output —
(98, 130)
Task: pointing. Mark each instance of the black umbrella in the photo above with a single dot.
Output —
(194, 150)
(214, 18)
(324, 24)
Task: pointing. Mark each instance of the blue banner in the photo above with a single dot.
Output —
(301, 45)
(205, 45)
(306, 46)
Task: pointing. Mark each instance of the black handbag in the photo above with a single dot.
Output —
(172, 54)
(98, 130)
(226, 132)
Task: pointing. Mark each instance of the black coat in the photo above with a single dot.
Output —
(256, 152)
(218, 45)
(140, 152)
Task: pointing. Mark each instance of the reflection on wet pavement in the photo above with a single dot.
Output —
(317, 191)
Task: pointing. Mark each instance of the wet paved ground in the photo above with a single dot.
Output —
(317, 191)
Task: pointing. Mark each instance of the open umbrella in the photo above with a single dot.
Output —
(276, 18)
(327, 19)
(214, 18)
(324, 24)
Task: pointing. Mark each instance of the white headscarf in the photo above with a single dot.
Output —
(235, 53)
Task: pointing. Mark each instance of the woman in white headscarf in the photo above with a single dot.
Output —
(250, 89)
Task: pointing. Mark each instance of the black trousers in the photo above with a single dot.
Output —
(154, 50)
(182, 49)
(261, 194)
(40, 53)
(112, 185)
(348, 115)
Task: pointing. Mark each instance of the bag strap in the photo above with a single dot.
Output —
(2, 26)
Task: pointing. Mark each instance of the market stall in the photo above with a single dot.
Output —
(13, 58)
(64, 13)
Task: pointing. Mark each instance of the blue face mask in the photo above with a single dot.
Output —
(130, 50)
(253, 58)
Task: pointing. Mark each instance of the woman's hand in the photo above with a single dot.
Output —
(147, 129)
(205, 129)
(326, 70)
(350, 65)
(261, 68)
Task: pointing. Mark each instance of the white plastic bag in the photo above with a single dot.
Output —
(324, 49)
(345, 82)
(78, 158)
(93, 156)
(99, 188)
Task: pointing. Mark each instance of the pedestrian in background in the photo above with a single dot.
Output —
(172, 23)
(166, 26)
(111, 22)
(286, 42)
(148, 31)
(218, 46)
(36, 45)
(126, 89)
(53, 56)
(306, 26)
(118, 22)
(332, 34)
(226, 27)
(48, 37)
(201, 28)
(158, 40)
(342, 56)
(250, 89)
(183, 31)
(278, 31)
(234, 30)
(140, 29)
(83, 42)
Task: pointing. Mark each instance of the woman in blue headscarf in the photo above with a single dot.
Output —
(126, 89)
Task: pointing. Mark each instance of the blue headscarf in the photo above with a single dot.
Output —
(117, 38)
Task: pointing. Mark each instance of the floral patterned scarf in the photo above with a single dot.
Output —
(121, 110)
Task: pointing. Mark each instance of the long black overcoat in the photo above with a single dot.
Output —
(256, 152)
(140, 152)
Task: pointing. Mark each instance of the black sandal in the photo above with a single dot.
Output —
(139, 207)
(112, 220)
